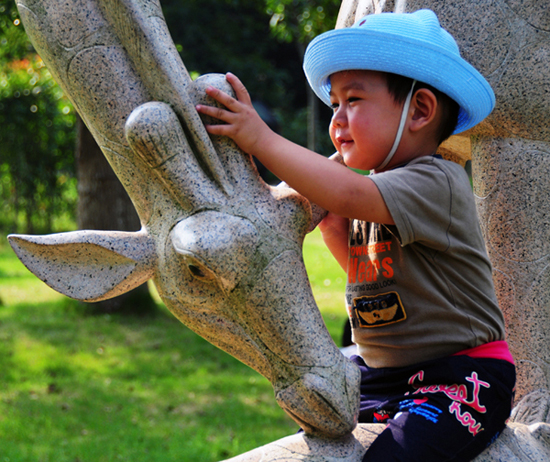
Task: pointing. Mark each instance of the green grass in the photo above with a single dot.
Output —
(79, 388)
(328, 281)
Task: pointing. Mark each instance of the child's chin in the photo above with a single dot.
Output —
(351, 163)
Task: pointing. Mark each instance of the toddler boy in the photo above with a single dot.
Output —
(430, 336)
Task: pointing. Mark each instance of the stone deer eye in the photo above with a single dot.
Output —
(215, 246)
(198, 269)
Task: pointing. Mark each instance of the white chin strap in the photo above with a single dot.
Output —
(399, 130)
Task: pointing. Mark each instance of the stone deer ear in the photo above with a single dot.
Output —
(88, 265)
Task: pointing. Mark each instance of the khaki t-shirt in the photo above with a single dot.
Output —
(421, 289)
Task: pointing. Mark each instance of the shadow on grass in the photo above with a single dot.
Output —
(77, 387)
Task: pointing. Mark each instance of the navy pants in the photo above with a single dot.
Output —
(448, 409)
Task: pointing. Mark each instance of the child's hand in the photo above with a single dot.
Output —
(242, 123)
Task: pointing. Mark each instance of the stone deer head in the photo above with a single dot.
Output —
(222, 247)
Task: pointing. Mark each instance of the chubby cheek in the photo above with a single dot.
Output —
(332, 134)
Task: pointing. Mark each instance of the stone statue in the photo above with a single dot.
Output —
(216, 239)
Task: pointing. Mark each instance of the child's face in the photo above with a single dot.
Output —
(365, 119)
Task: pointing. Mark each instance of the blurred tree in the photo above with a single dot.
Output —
(36, 134)
(234, 35)
(301, 21)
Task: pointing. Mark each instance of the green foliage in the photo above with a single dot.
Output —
(107, 388)
(13, 43)
(234, 35)
(36, 134)
(301, 20)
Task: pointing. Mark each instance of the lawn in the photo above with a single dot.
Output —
(82, 388)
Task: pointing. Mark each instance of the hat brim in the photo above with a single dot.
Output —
(357, 49)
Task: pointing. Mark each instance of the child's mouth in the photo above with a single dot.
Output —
(343, 141)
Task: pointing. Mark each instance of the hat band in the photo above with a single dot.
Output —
(400, 130)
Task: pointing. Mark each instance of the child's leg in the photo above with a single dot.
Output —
(451, 409)
(412, 437)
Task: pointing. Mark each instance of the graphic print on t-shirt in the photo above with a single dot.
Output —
(376, 310)
(370, 277)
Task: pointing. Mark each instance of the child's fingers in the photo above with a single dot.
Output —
(215, 112)
(221, 97)
(240, 90)
(220, 129)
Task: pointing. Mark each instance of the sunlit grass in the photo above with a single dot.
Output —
(79, 388)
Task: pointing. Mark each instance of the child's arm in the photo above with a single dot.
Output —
(322, 181)
(334, 230)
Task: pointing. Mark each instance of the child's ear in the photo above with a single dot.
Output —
(424, 105)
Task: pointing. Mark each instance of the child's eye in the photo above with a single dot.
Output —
(334, 106)
(353, 100)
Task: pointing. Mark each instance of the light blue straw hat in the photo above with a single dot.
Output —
(410, 44)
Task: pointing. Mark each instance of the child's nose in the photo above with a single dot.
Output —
(339, 117)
